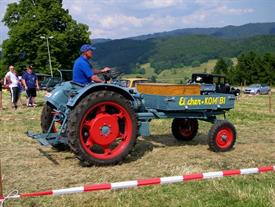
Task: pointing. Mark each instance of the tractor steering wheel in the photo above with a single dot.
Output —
(106, 76)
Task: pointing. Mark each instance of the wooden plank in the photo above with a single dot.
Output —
(165, 89)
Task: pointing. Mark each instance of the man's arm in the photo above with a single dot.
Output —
(104, 70)
(96, 79)
(7, 80)
(24, 81)
(37, 84)
(24, 84)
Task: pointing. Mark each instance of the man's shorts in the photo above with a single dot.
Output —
(31, 92)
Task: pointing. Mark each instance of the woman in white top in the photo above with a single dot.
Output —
(11, 80)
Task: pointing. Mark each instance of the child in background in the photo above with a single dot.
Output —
(21, 89)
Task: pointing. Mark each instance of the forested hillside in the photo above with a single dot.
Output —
(243, 31)
(123, 54)
(179, 51)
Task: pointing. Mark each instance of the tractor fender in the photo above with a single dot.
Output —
(58, 96)
(82, 93)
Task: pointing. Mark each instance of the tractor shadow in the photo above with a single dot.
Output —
(164, 140)
(147, 144)
(48, 156)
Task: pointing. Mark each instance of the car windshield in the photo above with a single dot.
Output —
(138, 81)
(124, 83)
(45, 80)
(254, 86)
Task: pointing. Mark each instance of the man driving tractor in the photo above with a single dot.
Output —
(83, 71)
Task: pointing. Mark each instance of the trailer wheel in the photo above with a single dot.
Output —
(222, 136)
(46, 120)
(102, 128)
(185, 129)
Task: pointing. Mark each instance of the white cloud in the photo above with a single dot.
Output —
(156, 4)
(229, 11)
(124, 18)
(209, 3)
(76, 9)
(3, 28)
(118, 20)
(195, 18)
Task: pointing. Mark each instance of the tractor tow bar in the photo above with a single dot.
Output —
(44, 139)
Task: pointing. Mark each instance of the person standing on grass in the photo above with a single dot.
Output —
(30, 83)
(21, 89)
(11, 81)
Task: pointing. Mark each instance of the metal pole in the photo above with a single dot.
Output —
(270, 102)
(50, 62)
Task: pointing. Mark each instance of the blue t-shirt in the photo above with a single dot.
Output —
(30, 79)
(82, 70)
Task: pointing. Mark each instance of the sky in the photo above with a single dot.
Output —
(117, 19)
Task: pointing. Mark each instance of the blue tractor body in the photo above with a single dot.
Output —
(100, 122)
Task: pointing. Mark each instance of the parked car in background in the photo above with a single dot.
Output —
(49, 82)
(42, 76)
(66, 74)
(132, 82)
(257, 89)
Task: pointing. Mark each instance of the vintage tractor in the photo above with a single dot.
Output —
(100, 123)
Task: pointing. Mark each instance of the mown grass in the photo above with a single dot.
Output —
(29, 167)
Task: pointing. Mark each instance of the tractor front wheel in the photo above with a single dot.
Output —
(222, 136)
(185, 129)
(102, 128)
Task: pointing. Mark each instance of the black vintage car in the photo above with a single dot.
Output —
(213, 83)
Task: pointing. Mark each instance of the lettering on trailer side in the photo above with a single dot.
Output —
(183, 101)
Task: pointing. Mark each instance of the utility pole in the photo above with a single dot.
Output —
(49, 54)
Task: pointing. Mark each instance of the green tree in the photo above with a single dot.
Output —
(27, 21)
(153, 79)
(253, 68)
(195, 63)
(221, 67)
(268, 68)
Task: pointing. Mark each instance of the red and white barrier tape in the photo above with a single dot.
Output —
(143, 182)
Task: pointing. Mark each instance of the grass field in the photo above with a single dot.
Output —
(176, 75)
(28, 167)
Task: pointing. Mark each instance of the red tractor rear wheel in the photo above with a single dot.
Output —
(102, 128)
